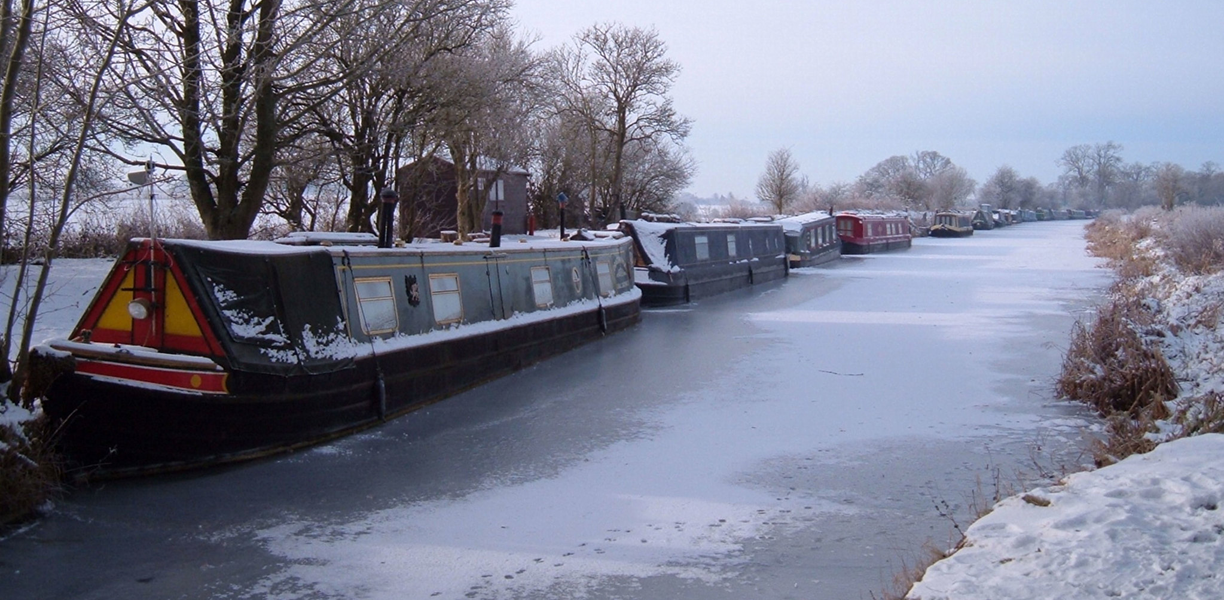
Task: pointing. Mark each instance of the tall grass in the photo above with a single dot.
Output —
(1114, 363)
(1113, 368)
(28, 470)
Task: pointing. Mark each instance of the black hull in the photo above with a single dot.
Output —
(874, 247)
(951, 233)
(706, 282)
(815, 260)
(109, 428)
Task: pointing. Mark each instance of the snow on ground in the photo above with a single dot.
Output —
(71, 287)
(1149, 526)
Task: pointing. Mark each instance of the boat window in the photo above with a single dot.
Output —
(541, 283)
(376, 305)
(604, 269)
(703, 247)
(444, 292)
(731, 245)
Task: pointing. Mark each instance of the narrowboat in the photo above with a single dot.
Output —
(811, 239)
(675, 263)
(195, 353)
(984, 217)
(869, 233)
(952, 223)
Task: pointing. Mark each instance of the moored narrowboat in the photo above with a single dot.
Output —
(952, 223)
(195, 353)
(811, 239)
(984, 218)
(676, 263)
(869, 233)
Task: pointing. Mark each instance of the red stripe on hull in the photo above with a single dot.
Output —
(181, 379)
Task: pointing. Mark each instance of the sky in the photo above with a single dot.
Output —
(845, 85)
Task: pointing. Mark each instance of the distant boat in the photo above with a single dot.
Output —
(196, 353)
(680, 262)
(952, 223)
(811, 239)
(869, 233)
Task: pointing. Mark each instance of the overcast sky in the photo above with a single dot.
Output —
(845, 84)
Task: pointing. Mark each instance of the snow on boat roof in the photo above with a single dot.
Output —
(659, 227)
(795, 224)
(347, 238)
(873, 215)
(509, 244)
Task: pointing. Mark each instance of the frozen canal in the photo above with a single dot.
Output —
(795, 441)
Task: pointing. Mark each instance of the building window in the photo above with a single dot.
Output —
(444, 292)
(541, 283)
(731, 245)
(376, 305)
(703, 247)
(604, 269)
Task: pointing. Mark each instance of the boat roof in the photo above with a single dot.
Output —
(351, 243)
(795, 224)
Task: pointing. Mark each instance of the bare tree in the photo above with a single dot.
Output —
(15, 40)
(560, 165)
(223, 87)
(1092, 169)
(654, 174)
(780, 185)
(949, 188)
(1002, 190)
(487, 99)
(1170, 181)
(378, 117)
(928, 164)
(879, 182)
(616, 80)
(77, 176)
(1134, 186)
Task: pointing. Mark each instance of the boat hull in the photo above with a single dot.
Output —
(873, 247)
(110, 427)
(708, 281)
(951, 232)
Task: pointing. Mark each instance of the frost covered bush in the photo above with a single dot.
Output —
(1194, 239)
(1152, 361)
(1116, 236)
(1114, 368)
(28, 475)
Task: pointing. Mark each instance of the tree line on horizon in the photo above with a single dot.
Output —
(1094, 176)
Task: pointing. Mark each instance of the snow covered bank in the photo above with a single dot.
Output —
(1147, 527)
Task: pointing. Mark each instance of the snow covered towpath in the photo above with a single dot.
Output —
(1148, 527)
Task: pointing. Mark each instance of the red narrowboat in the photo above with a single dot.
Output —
(867, 233)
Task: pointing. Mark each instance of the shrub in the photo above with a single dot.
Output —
(1114, 369)
(1124, 435)
(1115, 237)
(1194, 239)
(28, 471)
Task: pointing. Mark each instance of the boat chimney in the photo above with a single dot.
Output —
(495, 239)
